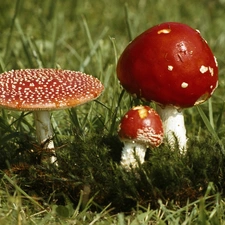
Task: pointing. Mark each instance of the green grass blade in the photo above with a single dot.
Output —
(17, 9)
(219, 119)
(54, 41)
(25, 43)
(211, 113)
(210, 128)
(21, 191)
(92, 46)
(128, 22)
(113, 124)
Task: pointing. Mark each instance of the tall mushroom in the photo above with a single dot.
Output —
(42, 90)
(140, 128)
(172, 65)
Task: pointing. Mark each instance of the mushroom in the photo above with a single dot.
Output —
(172, 65)
(140, 127)
(43, 90)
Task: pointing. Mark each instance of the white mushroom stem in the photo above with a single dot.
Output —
(132, 152)
(174, 127)
(44, 131)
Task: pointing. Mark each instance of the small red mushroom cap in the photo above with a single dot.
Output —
(170, 64)
(47, 89)
(142, 125)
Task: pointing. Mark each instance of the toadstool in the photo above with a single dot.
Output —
(140, 127)
(43, 90)
(172, 65)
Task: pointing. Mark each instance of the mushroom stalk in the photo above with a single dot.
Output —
(130, 153)
(44, 131)
(174, 127)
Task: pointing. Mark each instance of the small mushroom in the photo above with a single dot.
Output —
(43, 90)
(172, 65)
(140, 127)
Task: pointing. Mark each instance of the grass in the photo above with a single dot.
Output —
(89, 186)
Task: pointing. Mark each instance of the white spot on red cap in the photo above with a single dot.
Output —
(142, 112)
(184, 85)
(170, 68)
(214, 88)
(211, 71)
(204, 69)
(216, 61)
(164, 31)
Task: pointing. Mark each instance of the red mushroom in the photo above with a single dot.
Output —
(42, 90)
(140, 127)
(172, 65)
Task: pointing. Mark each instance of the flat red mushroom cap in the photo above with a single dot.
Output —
(142, 125)
(171, 64)
(47, 89)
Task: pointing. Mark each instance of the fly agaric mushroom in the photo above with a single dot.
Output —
(42, 90)
(172, 65)
(140, 127)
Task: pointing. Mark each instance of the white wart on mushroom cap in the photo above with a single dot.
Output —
(47, 89)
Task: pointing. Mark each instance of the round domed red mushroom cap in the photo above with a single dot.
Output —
(47, 89)
(171, 64)
(142, 125)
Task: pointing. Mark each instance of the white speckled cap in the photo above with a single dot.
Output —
(47, 89)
